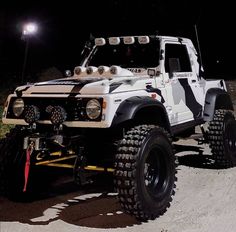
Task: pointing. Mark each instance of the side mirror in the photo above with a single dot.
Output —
(174, 66)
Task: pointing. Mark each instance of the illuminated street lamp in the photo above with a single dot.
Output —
(28, 30)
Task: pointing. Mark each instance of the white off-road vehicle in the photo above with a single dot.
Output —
(119, 113)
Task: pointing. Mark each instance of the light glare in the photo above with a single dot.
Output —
(30, 29)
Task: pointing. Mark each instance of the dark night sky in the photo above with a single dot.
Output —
(64, 27)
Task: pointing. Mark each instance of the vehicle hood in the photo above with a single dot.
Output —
(85, 85)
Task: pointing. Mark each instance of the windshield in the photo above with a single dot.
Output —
(127, 55)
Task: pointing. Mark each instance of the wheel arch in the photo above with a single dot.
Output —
(216, 99)
(142, 110)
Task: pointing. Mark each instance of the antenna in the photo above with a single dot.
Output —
(87, 48)
(199, 49)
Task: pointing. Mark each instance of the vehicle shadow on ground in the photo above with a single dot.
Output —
(197, 160)
(102, 211)
(93, 206)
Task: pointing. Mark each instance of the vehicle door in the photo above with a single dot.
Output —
(180, 82)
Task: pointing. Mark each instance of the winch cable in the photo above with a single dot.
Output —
(29, 151)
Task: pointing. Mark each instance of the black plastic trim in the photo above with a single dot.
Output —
(216, 99)
(184, 126)
(131, 106)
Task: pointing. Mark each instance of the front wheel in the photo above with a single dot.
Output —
(222, 138)
(145, 172)
(12, 164)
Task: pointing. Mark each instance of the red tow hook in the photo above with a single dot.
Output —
(29, 151)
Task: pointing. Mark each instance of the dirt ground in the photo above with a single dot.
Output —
(204, 201)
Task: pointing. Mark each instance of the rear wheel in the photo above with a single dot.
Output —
(222, 138)
(145, 172)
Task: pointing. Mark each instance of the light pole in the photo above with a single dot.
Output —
(28, 30)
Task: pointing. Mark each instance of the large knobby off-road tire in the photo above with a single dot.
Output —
(145, 172)
(222, 138)
(12, 164)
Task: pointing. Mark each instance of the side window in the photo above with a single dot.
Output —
(177, 58)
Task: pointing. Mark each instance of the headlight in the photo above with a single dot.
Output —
(93, 109)
(18, 107)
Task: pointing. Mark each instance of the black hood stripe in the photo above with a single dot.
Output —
(76, 90)
(66, 82)
(114, 86)
(77, 85)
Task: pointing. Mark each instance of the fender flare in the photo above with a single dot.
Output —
(216, 99)
(131, 106)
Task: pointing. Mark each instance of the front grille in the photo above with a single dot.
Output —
(74, 107)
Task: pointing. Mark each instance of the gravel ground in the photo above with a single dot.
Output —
(204, 201)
